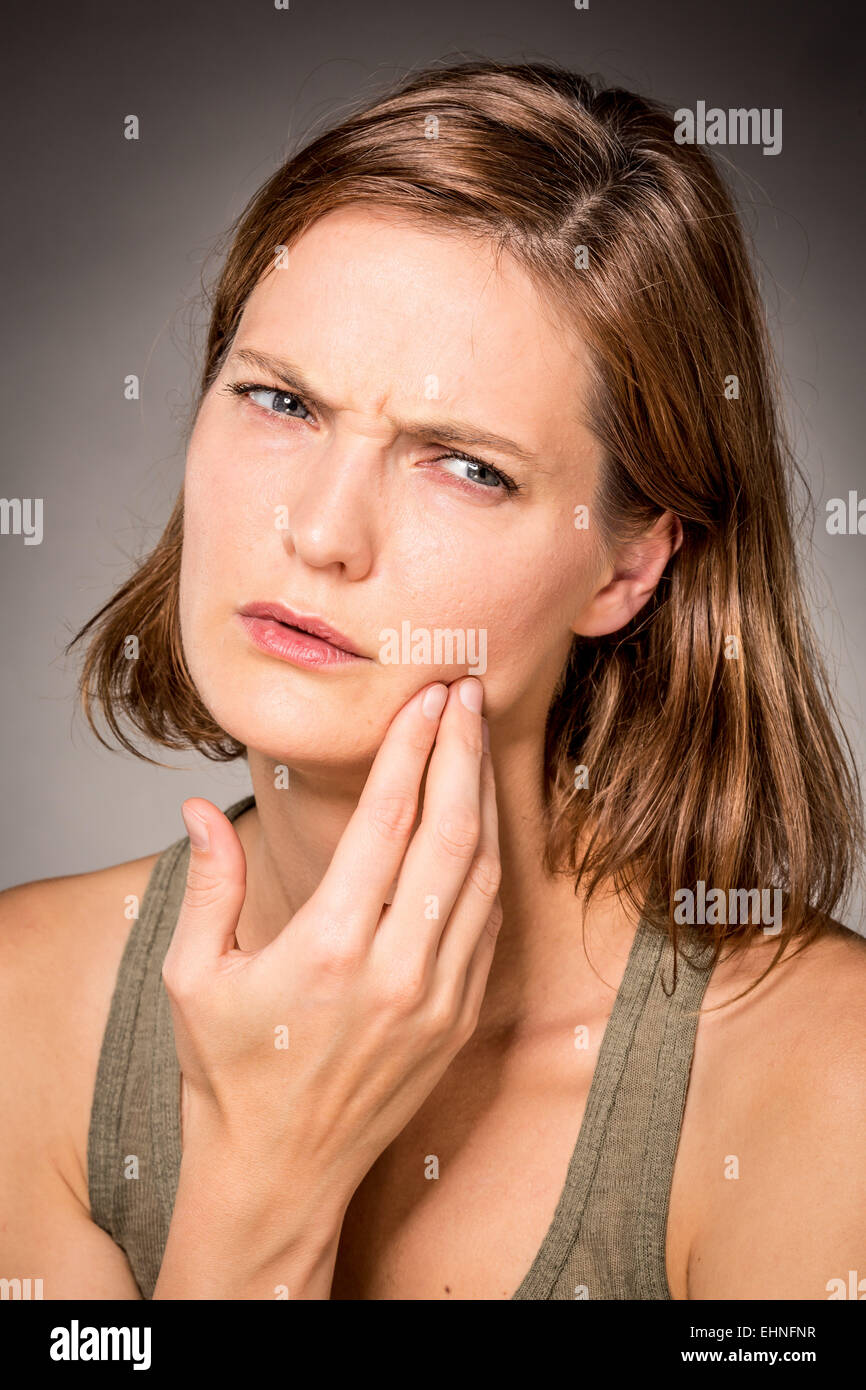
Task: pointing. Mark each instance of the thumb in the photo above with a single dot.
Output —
(214, 893)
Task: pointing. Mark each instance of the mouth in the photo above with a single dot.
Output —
(262, 616)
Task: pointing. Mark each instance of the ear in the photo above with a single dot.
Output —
(630, 579)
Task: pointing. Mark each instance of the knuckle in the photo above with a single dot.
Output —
(457, 832)
(485, 874)
(443, 1016)
(418, 741)
(202, 889)
(334, 956)
(392, 817)
(467, 1023)
(405, 989)
(494, 919)
(178, 979)
(472, 739)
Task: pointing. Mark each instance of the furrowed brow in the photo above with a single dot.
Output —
(448, 431)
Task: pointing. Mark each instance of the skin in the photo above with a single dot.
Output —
(435, 549)
(381, 530)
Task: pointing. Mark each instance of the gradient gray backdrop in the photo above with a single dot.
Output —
(105, 241)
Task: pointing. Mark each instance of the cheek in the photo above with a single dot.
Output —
(215, 534)
(512, 583)
(215, 493)
(224, 508)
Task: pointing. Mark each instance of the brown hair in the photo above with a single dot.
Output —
(701, 767)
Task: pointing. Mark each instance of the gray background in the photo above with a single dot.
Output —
(105, 243)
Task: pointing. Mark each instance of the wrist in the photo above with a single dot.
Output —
(235, 1235)
(230, 1178)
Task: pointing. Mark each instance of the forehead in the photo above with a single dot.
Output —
(381, 313)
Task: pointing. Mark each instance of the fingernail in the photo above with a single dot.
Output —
(195, 829)
(434, 701)
(472, 694)
(485, 735)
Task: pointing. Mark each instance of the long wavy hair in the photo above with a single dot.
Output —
(707, 725)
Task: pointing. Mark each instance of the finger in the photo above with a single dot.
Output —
(478, 971)
(475, 901)
(442, 849)
(214, 892)
(367, 859)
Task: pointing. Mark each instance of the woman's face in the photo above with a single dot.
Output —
(342, 496)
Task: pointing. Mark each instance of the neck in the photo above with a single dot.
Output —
(542, 967)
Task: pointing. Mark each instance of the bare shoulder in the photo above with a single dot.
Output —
(61, 941)
(804, 1018)
(774, 1136)
(830, 970)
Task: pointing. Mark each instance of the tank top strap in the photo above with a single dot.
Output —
(607, 1238)
(134, 1142)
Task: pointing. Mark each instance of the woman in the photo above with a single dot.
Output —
(545, 1002)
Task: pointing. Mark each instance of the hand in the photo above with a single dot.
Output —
(375, 1000)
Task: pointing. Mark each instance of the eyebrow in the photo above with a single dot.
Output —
(448, 431)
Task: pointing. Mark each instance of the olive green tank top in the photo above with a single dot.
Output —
(607, 1236)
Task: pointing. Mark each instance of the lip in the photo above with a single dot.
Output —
(272, 626)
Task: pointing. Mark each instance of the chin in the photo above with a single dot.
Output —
(313, 728)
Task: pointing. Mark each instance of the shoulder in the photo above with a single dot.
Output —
(778, 1133)
(803, 1019)
(829, 972)
(61, 941)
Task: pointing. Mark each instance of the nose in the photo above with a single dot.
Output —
(334, 506)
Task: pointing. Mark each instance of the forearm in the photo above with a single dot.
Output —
(239, 1232)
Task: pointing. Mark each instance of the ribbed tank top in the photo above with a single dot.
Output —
(607, 1236)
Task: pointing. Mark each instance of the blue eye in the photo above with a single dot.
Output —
(476, 466)
(286, 398)
(281, 402)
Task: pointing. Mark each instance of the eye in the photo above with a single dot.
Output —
(481, 475)
(281, 402)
